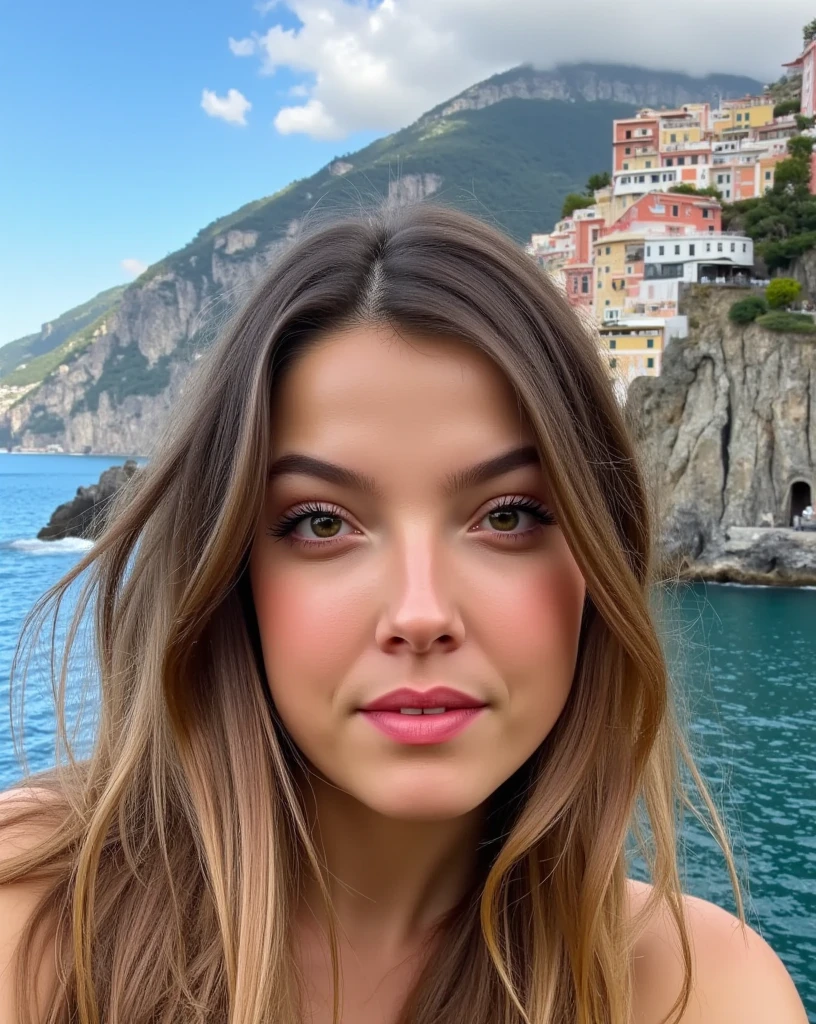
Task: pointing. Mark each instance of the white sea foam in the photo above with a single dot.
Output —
(65, 546)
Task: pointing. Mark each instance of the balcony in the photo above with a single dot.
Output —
(681, 122)
(679, 147)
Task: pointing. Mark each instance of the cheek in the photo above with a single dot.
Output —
(308, 627)
(532, 633)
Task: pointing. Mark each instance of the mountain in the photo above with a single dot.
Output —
(507, 149)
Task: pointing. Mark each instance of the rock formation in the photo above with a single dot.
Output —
(728, 435)
(84, 515)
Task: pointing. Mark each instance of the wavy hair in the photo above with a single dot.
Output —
(174, 850)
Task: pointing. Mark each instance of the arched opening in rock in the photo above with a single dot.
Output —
(799, 499)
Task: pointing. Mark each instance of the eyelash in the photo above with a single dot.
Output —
(283, 529)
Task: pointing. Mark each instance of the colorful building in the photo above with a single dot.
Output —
(806, 64)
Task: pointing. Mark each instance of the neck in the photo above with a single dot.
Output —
(390, 880)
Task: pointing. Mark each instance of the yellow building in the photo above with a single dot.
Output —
(744, 114)
(676, 131)
(634, 348)
(618, 265)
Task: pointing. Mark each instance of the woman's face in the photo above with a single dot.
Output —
(414, 584)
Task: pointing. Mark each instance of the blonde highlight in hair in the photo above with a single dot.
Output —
(175, 851)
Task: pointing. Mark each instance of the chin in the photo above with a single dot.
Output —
(423, 800)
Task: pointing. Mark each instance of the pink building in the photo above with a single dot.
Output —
(806, 61)
(677, 214)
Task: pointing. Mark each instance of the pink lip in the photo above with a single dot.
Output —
(438, 697)
(422, 728)
(460, 710)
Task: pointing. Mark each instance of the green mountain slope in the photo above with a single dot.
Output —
(30, 358)
(512, 159)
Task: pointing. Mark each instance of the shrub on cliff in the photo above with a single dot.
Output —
(782, 291)
(747, 310)
(790, 323)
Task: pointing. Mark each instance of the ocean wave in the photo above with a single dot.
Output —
(65, 546)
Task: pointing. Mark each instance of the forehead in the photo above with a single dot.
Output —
(372, 379)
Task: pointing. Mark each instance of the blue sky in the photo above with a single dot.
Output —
(107, 155)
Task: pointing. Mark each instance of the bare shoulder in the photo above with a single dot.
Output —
(18, 899)
(738, 976)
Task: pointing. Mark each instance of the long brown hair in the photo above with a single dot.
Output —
(176, 848)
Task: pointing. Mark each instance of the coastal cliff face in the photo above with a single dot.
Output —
(115, 396)
(728, 435)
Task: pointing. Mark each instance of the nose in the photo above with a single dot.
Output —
(420, 612)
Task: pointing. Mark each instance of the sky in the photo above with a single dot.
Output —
(125, 128)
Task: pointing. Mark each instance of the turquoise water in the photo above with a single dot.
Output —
(744, 656)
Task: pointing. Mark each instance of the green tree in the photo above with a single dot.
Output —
(782, 291)
(800, 147)
(785, 107)
(687, 189)
(792, 177)
(575, 201)
(809, 31)
(747, 310)
(597, 181)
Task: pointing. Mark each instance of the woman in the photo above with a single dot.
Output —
(382, 695)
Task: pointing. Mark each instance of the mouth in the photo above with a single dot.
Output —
(423, 716)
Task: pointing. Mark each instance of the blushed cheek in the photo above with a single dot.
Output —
(306, 625)
(536, 624)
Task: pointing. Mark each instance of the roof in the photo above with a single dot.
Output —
(802, 55)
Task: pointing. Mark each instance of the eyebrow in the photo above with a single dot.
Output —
(455, 483)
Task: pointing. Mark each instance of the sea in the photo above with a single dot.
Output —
(743, 660)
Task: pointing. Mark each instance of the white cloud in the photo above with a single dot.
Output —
(242, 47)
(133, 267)
(231, 107)
(379, 64)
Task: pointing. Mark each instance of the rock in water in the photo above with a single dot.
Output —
(84, 516)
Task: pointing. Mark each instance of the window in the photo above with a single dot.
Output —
(739, 117)
(719, 246)
(642, 178)
(719, 179)
(733, 247)
(748, 116)
(648, 164)
(608, 251)
(606, 302)
(681, 160)
(691, 249)
(628, 270)
(626, 166)
(628, 134)
(650, 343)
(670, 163)
(694, 159)
(574, 285)
(767, 175)
(661, 250)
(710, 228)
(613, 343)
(675, 211)
(744, 246)
(628, 151)
(613, 362)
(708, 246)
(677, 250)
(706, 214)
(650, 362)
(655, 177)
(685, 136)
(648, 250)
(606, 269)
(673, 137)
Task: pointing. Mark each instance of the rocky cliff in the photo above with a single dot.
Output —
(728, 432)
